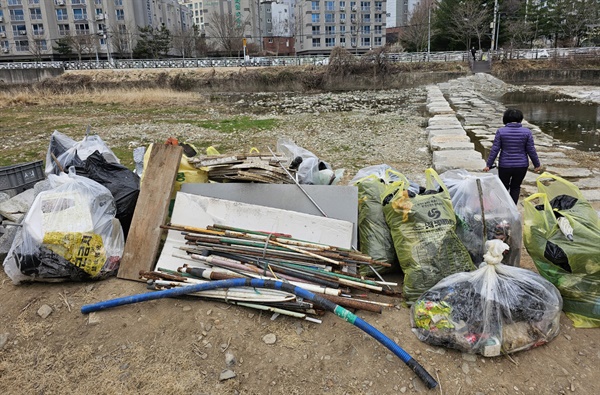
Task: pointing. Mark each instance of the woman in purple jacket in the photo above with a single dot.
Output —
(515, 144)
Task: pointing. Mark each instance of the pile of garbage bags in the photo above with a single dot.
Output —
(562, 236)
(496, 309)
(309, 168)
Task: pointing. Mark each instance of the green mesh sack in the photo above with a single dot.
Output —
(374, 235)
(566, 255)
(423, 230)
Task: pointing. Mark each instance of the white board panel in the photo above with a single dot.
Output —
(201, 211)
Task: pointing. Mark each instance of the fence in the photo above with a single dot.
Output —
(456, 56)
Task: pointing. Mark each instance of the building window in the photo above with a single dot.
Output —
(316, 18)
(36, 14)
(365, 5)
(77, 2)
(329, 18)
(378, 18)
(120, 15)
(365, 41)
(315, 6)
(379, 5)
(342, 5)
(22, 45)
(61, 14)
(82, 28)
(33, 2)
(270, 41)
(330, 42)
(342, 29)
(19, 30)
(14, 2)
(316, 30)
(79, 14)
(316, 42)
(377, 29)
(329, 6)
(329, 30)
(367, 29)
(17, 15)
(118, 3)
(377, 41)
(343, 41)
(63, 30)
(343, 18)
(366, 18)
(41, 45)
(38, 29)
(98, 2)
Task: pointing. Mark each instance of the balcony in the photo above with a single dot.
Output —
(99, 17)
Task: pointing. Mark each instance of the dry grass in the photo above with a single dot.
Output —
(132, 97)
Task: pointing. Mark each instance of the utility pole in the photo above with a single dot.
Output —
(428, 30)
(494, 29)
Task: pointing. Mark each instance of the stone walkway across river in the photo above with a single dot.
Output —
(463, 124)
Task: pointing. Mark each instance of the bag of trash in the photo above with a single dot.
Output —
(496, 309)
(423, 227)
(562, 236)
(309, 169)
(70, 233)
(123, 184)
(484, 211)
(374, 235)
(68, 152)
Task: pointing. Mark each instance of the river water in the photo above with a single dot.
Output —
(566, 119)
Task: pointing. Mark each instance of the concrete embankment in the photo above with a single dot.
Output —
(27, 76)
(459, 109)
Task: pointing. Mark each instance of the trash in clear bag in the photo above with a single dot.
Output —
(374, 234)
(484, 216)
(69, 233)
(496, 309)
(423, 228)
(69, 152)
(309, 168)
(561, 234)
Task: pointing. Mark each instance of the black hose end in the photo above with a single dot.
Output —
(422, 373)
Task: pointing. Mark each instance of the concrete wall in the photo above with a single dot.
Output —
(27, 76)
(550, 77)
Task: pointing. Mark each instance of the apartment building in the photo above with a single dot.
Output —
(399, 12)
(357, 26)
(99, 29)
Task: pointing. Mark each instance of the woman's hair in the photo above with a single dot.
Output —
(512, 115)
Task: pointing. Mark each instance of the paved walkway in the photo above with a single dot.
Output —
(462, 128)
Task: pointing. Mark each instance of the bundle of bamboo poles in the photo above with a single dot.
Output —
(220, 252)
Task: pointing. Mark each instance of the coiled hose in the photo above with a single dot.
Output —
(259, 283)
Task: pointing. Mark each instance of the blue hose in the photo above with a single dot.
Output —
(259, 283)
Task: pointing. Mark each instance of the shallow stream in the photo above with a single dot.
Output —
(564, 118)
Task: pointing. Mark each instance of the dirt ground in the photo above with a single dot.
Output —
(180, 346)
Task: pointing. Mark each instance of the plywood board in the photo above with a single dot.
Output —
(201, 211)
(151, 211)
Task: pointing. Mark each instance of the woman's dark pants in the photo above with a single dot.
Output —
(512, 177)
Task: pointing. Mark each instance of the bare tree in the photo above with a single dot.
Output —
(122, 37)
(37, 47)
(461, 20)
(83, 44)
(184, 42)
(227, 32)
(416, 34)
(578, 15)
(280, 28)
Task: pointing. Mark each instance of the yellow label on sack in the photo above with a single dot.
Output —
(84, 250)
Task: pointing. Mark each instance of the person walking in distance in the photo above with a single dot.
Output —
(474, 53)
(515, 145)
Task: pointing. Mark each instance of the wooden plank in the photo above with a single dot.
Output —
(151, 211)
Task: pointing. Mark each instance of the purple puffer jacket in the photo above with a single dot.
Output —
(515, 143)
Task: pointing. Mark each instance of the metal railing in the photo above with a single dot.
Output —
(455, 56)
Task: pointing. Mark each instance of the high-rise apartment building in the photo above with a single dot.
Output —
(98, 29)
(357, 26)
